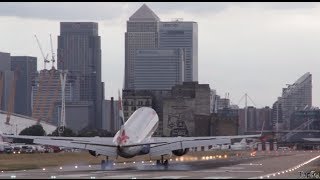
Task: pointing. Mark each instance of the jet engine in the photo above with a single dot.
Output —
(145, 150)
(180, 152)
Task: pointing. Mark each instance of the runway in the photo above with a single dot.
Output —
(263, 165)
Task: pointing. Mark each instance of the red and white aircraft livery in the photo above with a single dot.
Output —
(133, 139)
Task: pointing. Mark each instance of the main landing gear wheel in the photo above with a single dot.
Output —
(163, 163)
(106, 164)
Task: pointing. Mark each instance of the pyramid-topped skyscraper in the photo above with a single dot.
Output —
(142, 33)
(145, 32)
(144, 13)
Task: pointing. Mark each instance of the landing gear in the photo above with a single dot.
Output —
(106, 164)
(163, 162)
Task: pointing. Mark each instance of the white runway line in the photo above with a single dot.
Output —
(128, 176)
(218, 177)
(72, 175)
(169, 177)
(217, 171)
(231, 167)
(251, 164)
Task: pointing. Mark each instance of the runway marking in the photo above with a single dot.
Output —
(251, 164)
(73, 175)
(112, 171)
(169, 177)
(215, 171)
(231, 167)
(123, 176)
(217, 177)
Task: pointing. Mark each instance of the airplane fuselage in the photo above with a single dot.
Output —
(137, 129)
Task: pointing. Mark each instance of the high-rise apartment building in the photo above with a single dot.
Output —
(27, 70)
(79, 52)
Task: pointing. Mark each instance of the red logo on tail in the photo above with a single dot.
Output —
(122, 137)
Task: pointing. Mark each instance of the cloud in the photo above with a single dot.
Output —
(62, 10)
(253, 48)
(97, 11)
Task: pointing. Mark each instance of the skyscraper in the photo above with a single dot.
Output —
(142, 33)
(79, 52)
(182, 34)
(158, 69)
(295, 97)
(146, 31)
(6, 81)
(27, 69)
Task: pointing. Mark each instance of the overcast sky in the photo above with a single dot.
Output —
(254, 48)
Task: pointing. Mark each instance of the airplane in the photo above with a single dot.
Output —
(133, 139)
(242, 145)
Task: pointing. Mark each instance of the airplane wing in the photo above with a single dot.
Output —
(312, 139)
(165, 145)
(101, 145)
(105, 146)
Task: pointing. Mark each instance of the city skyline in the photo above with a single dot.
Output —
(254, 48)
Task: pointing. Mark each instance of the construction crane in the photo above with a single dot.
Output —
(45, 58)
(12, 97)
(52, 53)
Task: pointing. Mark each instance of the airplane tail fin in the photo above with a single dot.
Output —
(120, 109)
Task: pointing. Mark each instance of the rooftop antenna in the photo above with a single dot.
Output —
(177, 19)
